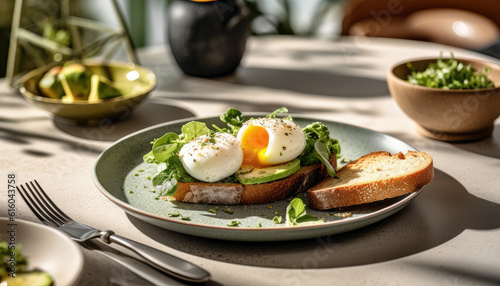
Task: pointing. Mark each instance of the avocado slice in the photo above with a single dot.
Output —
(75, 79)
(249, 175)
(50, 85)
(29, 278)
(102, 88)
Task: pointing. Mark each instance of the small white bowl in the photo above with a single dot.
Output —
(46, 249)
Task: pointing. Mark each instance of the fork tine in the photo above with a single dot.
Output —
(42, 206)
(33, 207)
(50, 203)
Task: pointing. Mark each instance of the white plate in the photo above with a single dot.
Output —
(46, 249)
(120, 169)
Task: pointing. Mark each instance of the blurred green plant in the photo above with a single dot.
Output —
(58, 35)
(281, 20)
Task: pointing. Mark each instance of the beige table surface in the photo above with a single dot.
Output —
(449, 235)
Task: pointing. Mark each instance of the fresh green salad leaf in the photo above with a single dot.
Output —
(149, 157)
(275, 113)
(234, 120)
(319, 152)
(165, 181)
(233, 116)
(168, 187)
(166, 146)
(171, 143)
(324, 155)
(192, 130)
(450, 74)
(296, 214)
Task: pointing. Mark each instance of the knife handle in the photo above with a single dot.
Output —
(170, 264)
(143, 270)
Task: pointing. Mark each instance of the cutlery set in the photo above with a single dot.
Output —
(43, 207)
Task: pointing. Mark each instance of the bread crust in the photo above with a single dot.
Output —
(235, 194)
(335, 193)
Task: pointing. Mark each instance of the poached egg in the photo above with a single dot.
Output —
(271, 141)
(210, 158)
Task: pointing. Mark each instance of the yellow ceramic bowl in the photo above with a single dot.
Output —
(134, 81)
(447, 115)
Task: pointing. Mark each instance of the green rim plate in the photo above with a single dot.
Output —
(122, 176)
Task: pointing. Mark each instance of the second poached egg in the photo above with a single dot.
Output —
(212, 158)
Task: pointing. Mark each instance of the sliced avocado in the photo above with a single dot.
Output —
(75, 79)
(102, 88)
(249, 175)
(50, 85)
(29, 278)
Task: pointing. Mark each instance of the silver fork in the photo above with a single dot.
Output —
(43, 207)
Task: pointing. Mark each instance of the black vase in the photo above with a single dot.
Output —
(207, 38)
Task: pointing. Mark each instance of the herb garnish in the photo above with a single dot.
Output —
(319, 146)
(234, 223)
(278, 219)
(296, 214)
(449, 74)
(214, 210)
(178, 214)
(275, 113)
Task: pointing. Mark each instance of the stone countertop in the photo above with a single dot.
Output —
(448, 235)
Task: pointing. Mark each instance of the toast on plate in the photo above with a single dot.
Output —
(236, 193)
(373, 177)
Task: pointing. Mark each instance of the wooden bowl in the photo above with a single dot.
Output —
(447, 115)
(135, 81)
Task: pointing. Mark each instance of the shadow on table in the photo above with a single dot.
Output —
(442, 211)
(488, 147)
(104, 265)
(30, 148)
(152, 112)
(317, 82)
(330, 83)
(246, 105)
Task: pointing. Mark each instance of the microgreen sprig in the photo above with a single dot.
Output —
(449, 74)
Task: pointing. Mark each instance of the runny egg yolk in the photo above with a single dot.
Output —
(254, 143)
(270, 141)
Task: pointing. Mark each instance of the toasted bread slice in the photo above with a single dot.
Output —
(373, 177)
(235, 194)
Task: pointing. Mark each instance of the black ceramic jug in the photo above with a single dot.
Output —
(207, 37)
